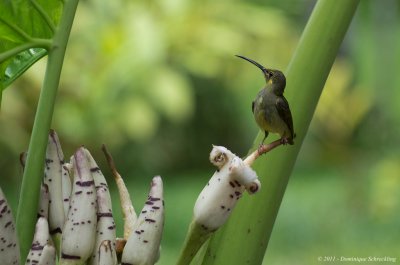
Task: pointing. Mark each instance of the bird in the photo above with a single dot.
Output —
(270, 108)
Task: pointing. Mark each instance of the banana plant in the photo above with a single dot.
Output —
(29, 30)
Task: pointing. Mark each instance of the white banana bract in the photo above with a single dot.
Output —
(245, 175)
(218, 198)
(53, 179)
(66, 187)
(9, 247)
(105, 226)
(106, 254)
(142, 247)
(105, 222)
(78, 212)
(79, 232)
(43, 209)
(48, 256)
(128, 212)
(40, 240)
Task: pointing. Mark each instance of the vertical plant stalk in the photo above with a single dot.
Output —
(219, 197)
(250, 226)
(33, 172)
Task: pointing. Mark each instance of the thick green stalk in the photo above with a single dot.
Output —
(33, 174)
(195, 238)
(245, 237)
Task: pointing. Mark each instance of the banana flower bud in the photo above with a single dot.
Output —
(40, 240)
(79, 232)
(218, 198)
(107, 255)
(142, 247)
(105, 221)
(53, 179)
(48, 256)
(43, 209)
(66, 186)
(9, 247)
(128, 212)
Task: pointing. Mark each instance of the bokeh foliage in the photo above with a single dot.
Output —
(158, 83)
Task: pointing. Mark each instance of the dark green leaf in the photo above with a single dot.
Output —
(26, 30)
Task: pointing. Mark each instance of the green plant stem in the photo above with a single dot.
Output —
(244, 239)
(195, 238)
(33, 174)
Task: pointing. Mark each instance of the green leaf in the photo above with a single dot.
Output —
(19, 64)
(26, 30)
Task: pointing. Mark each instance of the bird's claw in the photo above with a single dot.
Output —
(260, 149)
(284, 141)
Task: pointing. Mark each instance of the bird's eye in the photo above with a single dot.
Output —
(270, 74)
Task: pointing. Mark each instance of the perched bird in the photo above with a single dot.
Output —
(270, 108)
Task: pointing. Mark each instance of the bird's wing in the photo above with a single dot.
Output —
(252, 107)
(284, 112)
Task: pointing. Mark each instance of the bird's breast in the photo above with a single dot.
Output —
(267, 116)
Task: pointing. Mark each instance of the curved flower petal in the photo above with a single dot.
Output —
(48, 256)
(79, 232)
(107, 255)
(53, 179)
(43, 209)
(9, 247)
(128, 211)
(143, 244)
(105, 222)
(40, 239)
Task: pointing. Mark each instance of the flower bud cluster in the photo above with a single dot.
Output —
(75, 220)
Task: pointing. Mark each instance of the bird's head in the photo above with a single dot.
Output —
(274, 78)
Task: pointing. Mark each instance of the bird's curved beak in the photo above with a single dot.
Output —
(263, 69)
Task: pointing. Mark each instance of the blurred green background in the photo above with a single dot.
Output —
(157, 81)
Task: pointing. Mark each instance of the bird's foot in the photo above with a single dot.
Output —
(284, 141)
(261, 148)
